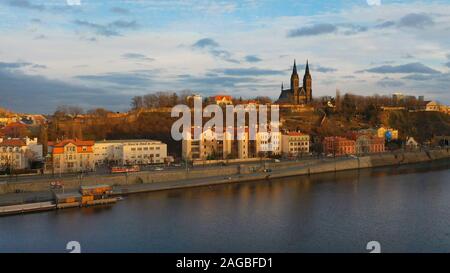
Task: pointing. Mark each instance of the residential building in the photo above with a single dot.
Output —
(411, 143)
(19, 153)
(222, 100)
(432, 106)
(212, 146)
(339, 146)
(368, 143)
(387, 133)
(129, 152)
(71, 155)
(268, 143)
(295, 143)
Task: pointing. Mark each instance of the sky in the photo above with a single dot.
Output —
(95, 53)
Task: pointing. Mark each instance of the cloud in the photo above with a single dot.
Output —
(123, 24)
(48, 94)
(119, 10)
(135, 79)
(25, 4)
(317, 68)
(351, 29)
(323, 69)
(210, 82)
(418, 77)
(205, 43)
(416, 20)
(248, 72)
(313, 30)
(386, 24)
(17, 65)
(411, 20)
(252, 59)
(390, 83)
(137, 56)
(405, 69)
(107, 30)
(325, 28)
(213, 48)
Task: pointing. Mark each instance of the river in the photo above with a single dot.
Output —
(405, 209)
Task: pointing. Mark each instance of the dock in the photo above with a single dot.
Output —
(25, 208)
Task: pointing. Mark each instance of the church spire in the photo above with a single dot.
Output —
(307, 67)
(294, 70)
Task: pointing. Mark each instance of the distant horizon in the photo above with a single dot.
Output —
(103, 53)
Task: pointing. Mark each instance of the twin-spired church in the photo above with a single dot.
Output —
(297, 94)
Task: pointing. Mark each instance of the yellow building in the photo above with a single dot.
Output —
(295, 143)
(72, 155)
(381, 132)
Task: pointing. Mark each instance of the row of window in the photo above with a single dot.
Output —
(145, 148)
(10, 149)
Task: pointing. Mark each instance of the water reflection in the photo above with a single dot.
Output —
(404, 208)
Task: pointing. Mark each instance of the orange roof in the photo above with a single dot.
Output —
(13, 142)
(296, 134)
(76, 142)
(222, 97)
(15, 124)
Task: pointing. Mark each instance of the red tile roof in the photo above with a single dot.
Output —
(13, 142)
(76, 142)
(222, 97)
(296, 134)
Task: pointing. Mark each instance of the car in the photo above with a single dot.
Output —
(277, 161)
(267, 170)
(159, 169)
(329, 155)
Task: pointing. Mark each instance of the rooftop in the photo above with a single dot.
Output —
(127, 140)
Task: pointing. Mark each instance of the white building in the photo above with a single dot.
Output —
(130, 152)
(18, 153)
(268, 142)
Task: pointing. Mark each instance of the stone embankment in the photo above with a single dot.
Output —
(199, 176)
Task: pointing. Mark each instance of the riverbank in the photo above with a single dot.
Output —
(40, 191)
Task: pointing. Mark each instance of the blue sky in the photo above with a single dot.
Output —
(102, 53)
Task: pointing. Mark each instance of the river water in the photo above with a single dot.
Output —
(405, 209)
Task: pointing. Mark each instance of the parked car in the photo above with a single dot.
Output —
(159, 169)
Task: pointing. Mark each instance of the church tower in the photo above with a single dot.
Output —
(307, 83)
(295, 83)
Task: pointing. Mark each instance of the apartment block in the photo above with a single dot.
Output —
(71, 155)
(295, 143)
(19, 153)
(339, 146)
(129, 152)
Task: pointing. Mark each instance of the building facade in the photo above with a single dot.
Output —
(295, 143)
(129, 152)
(297, 94)
(71, 155)
(368, 144)
(387, 133)
(339, 146)
(211, 146)
(17, 153)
